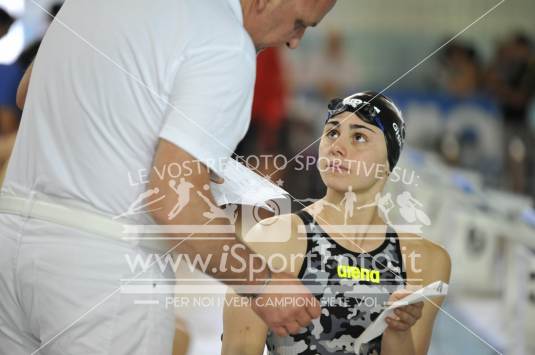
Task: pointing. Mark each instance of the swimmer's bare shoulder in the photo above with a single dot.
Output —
(424, 259)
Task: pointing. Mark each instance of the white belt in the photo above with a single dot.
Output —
(76, 215)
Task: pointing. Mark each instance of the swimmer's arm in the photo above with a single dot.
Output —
(244, 333)
(23, 87)
(437, 266)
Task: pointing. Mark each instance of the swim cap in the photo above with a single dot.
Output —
(378, 110)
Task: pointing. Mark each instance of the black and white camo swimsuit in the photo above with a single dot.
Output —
(352, 289)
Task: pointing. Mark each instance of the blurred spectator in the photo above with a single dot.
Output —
(269, 104)
(332, 73)
(510, 77)
(511, 80)
(459, 70)
(10, 76)
(265, 135)
(29, 53)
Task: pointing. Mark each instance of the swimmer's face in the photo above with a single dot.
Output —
(274, 23)
(352, 153)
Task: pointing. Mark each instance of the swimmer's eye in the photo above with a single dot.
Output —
(360, 138)
(332, 134)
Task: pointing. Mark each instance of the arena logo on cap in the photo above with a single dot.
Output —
(356, 102)
(398, 134)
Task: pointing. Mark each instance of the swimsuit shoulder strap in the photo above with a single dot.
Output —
(306, 218)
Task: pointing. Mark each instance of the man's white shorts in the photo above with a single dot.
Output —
(60, 293)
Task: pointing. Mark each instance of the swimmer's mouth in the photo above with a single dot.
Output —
(334, 166)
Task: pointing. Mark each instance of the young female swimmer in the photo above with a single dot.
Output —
(352, 270)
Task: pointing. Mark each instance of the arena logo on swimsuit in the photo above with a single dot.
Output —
(356, 273)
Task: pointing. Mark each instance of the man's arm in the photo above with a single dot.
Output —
(241, 265)
(211, 245)
(23, 87)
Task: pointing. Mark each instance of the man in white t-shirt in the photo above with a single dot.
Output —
(122, 95)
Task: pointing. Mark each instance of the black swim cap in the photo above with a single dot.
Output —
(378, 110)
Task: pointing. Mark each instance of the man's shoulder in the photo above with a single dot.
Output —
(218, 20)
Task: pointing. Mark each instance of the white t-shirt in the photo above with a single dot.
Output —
(112, 77)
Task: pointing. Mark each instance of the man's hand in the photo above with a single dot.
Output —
(300, 305)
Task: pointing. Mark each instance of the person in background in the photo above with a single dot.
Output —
(510, 79)
(269, 110)
(459, 70)
(333, 71)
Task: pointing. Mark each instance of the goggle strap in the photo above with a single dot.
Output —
(379, 123)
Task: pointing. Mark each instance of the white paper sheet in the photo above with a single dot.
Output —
(245, 187)
(435, 289)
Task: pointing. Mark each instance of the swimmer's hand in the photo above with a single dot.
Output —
(286, 305)
(403, 317)
(397, 338)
